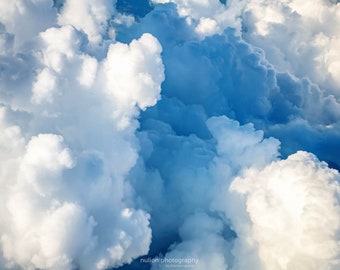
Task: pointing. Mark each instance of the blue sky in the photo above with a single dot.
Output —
(187, 134)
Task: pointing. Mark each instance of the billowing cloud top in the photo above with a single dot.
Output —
(185, 134)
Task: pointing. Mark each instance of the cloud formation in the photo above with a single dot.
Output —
(295, 30)
(65, 200)
(171, 130)
(291, 210)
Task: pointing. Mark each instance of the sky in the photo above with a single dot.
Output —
(171, 133)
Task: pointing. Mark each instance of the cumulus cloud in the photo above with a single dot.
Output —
(43, 87)
(140, 61)
(168, 129)
(184, 192)
(291, 211)
(224, 75)
(90, 17)
(208, 17)
(294, 31)
(202, 245)
(65, 200)
(35, 15)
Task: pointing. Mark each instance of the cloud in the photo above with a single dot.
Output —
(65, 200)
(140, 61)
(208, 17)
(89, 17)
(291, 30)
(50, 220)
(169, 130)
(202, 245)
(44, 87)
(224, 75)
(6, 41)
(290, 214)
(35, 15)
(184, 186)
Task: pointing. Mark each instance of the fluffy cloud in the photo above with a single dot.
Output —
(208, 17)
(90, 17)
(50, 220)
(148, 129)
(294, 31)
(224, 75)
(140, 61)
(286, 30)
(36, 15)
(202, 245)
(65, 198)
(290, 218)
(184, 191)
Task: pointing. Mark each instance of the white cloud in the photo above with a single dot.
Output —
(299, 37)
(35, 15)
(59, 45)
(202, 245)
(87, 181)
(290, 217)
(209, 17)
(206, 26)
(241, 146)
(296, 36)
(88, 71)
(66, 155)
(89, 17)
(44, 87)
(133, 74)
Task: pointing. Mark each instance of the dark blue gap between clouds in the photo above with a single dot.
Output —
(137, 8)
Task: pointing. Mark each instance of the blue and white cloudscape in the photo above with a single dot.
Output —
(139, 135)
